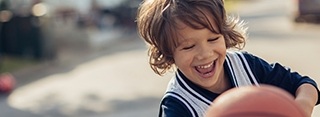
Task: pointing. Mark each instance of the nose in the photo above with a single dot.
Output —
(204, 52)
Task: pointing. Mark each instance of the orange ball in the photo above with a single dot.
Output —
(254, 101)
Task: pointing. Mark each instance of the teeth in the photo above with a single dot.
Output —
(205, 66)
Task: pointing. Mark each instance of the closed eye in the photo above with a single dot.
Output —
(213, 39)
(188, 47)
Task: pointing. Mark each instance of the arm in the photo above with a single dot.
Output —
(302, 87)
(306, 97)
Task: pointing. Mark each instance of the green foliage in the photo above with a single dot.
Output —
(10, 64)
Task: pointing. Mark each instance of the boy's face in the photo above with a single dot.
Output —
(200, 56)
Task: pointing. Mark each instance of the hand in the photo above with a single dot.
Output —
(307, 108)
(306, 98)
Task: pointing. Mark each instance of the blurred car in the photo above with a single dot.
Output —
(308, 11)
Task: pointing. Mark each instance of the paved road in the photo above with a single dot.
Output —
(117, 82)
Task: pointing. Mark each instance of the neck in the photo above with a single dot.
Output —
(222, 85)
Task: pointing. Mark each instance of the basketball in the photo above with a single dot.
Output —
(254, 101)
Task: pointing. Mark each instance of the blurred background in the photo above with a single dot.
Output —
(83, 58)
(38, 29)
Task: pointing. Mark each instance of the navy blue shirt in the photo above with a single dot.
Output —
(183, 98)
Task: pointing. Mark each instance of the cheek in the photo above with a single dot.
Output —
(222, 49)
(222, 46)
(178, 60)
(181, 59)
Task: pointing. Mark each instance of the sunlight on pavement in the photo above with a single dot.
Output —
(92, 85)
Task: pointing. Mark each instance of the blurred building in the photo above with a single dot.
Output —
(20, 31)
(33, 28)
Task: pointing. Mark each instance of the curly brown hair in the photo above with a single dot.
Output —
(157, 25)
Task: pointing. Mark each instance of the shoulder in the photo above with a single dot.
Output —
(174, 105)
(183, 97)
(244, 56)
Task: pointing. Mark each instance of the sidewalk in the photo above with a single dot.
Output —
(100, 83)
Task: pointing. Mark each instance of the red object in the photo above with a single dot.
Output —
(7, 82)
(253, 101)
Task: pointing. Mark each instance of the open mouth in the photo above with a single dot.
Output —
(206, 70)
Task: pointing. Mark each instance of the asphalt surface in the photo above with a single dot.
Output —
(113, 79)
